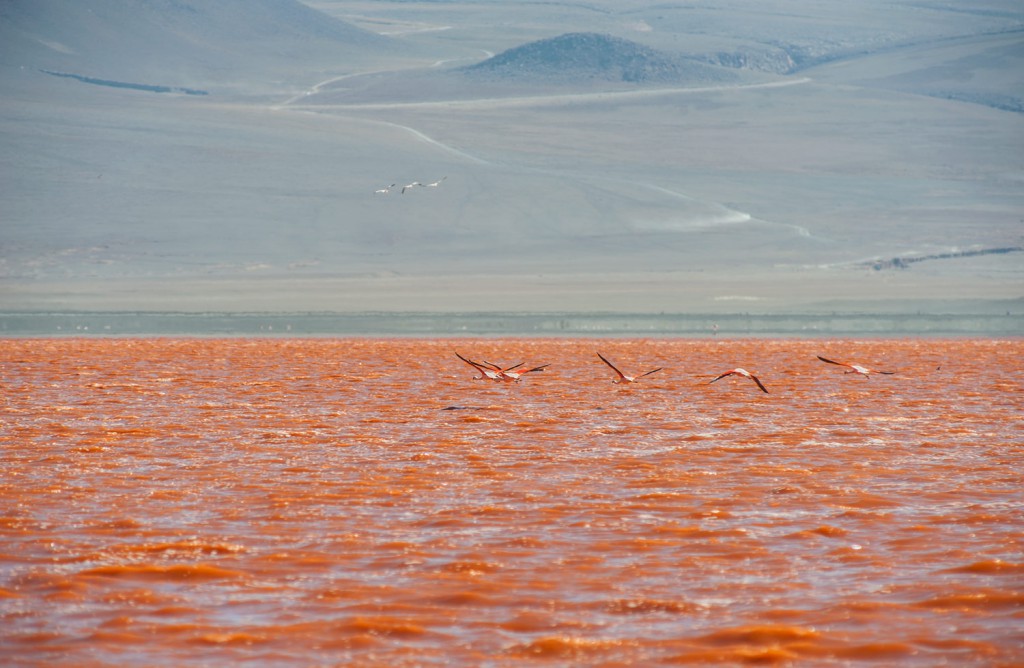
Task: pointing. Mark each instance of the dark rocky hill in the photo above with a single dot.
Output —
(592, 56)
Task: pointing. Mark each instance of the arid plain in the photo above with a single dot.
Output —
(765, 157)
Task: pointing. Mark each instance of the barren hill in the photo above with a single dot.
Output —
(583, 172)
(581, 56)
(179, 42)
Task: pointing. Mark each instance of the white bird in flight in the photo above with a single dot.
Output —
(384, 191)
(856, 368)
(411, 185)
(623, 378)
(745, 374)
(435, 183)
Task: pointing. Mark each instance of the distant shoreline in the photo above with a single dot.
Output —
(498, 324)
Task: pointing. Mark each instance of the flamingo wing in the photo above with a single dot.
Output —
(648, 373)
(727, 373)
(759, 384)
(831, 362)
(517, 375)
(498, 368)
(621, 375)
(476, 365)
(469, 362)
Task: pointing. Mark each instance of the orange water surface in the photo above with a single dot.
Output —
(306, 502)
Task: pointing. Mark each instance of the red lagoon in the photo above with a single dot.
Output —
(168, 502)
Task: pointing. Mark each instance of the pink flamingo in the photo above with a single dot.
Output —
(623, 378)
(745, 374)
(495, 372)
(856, 368)
(510, 375)
(488, 370)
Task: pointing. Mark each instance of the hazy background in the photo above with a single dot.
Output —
(724, 157)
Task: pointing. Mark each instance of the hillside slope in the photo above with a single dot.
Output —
(179, 42)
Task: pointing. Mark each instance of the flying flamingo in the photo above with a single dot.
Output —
(510, 375)
(857, 368)
(623, 378)
(411, 185)
(384, 191)
(435, 183)
(488, 370)
(745, 374)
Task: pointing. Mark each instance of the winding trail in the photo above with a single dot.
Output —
(730, 216)
(549, 100)
(433, 142)
(316, 88)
